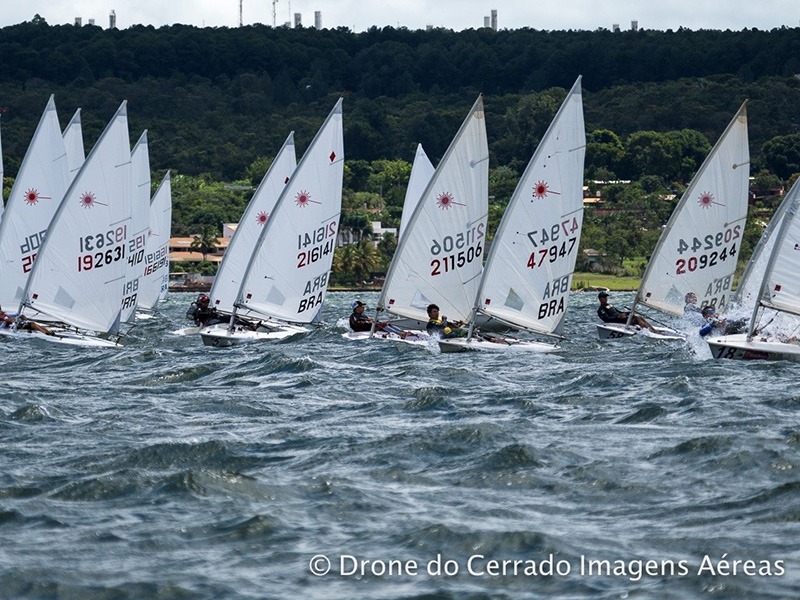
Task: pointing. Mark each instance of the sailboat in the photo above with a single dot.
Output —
(774, 328)
(528, 271)
(154, 284)
(228, 281)
(439, 256)
(699, 247)
(2, 204)
(286, 279)
(77, 278)
(139, 227)
(73, 144)
(421, 172)
(40, 184)
(746, 294)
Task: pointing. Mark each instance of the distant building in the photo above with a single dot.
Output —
(378, 231)
(112, 20)
(180, 250)
(317, 19)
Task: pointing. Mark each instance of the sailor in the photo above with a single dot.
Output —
(609, 314)
(202, 314)
(441, 327)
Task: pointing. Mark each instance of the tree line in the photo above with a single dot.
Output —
(218, 103)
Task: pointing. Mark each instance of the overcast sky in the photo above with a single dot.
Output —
(359, 15)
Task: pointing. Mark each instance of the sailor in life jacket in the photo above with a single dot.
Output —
(441, 327)
(202, 314)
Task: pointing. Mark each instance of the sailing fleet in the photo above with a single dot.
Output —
(75, 234)
(84, 247)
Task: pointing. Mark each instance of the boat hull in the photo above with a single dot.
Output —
(220, 336)
(412, 337)
(482, 322)
(615, 331)
(62, 336)
(737, 347)
(448, 345)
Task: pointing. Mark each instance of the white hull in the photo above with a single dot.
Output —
(738, 348)
(482, 322)
(484, 345)
(186, 331)
(413, 337)
(220, 336)
(613, 331)
(61, 336)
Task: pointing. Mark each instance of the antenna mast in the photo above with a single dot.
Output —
(240, 13)
(274, 2)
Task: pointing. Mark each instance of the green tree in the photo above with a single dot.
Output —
(206, 242)
(604, 151)
(694, 147)
(652, 153)
(782, 155)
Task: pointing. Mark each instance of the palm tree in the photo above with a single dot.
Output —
(365, 260)
(205, 242)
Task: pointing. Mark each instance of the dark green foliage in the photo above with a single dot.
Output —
(219, 102)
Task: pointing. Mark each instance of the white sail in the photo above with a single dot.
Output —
(77, 277)
(698, 249)
(528, 271)
(42, 179)
(228, 281)
(73, 144)
(781, 285)
(440, 253)
(287, 277)
(421, 172)
(750, 282)
(2, 203)
(140, 225)
(154, 284)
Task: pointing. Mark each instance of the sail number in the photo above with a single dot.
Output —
(101, 240)
(465, 238)
(317, 236)
(136, 248)
(155, 260)
(712, 240)
(102, 248)
(553, 234)
(553, 253)
(31, 244)
(469, 245)
(322, 248)
(693, 263)
(456, 261)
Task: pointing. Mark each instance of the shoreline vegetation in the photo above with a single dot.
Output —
(581, 282)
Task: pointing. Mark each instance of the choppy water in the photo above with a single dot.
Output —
(170, 470)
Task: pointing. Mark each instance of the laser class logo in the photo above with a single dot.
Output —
(707, 199)
(32, 197)
(303, 199)
(446, 200)
(88, 200)
(542, 190)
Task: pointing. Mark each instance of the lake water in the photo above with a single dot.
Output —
(616, 469)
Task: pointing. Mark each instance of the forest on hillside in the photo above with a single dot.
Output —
(218, 103)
